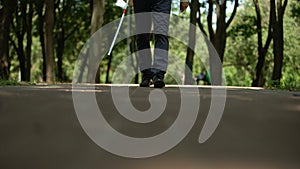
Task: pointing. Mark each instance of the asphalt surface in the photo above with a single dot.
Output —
(39, 129)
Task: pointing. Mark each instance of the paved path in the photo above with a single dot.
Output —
(39, 129)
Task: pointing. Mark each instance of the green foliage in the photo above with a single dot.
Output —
(77, 32)
(291, 69)
(241, 50)
(291, 63)
(8, 83)
(112, 12)
(76, 22)
(13, 83)
(240, 55)
(239, 65)
(246, 27)
(295, 9)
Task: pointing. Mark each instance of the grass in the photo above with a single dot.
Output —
(290, 87)
(13, 83)
(284, 86)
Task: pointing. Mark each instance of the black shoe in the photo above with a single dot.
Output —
(158, 80)
(146, 83)
(147, 76)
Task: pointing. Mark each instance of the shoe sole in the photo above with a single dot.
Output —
(147, 85)
(159, 84)
(144, 85)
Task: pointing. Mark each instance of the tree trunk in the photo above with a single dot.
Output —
(41, 19)
(28, 41)
(84, 58)
(133, 48)
(278, 40)
(22, 54)
(192, 40)
(219, 40)
(61, 41)
(97, 15)
(23, 26)
(59, 54)
(96, 23)
(49, 39)
(108, 68)
(6, 12)
(258, 80)
(219, 36)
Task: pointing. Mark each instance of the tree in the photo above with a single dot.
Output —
(277, 15)
(23, 26)
(192, 40)
(111, 13)
(218, 35)
(6, 12)
(49, 41)
(61, 35)
(295, 5)
(291, 63)
(66, 29)
(39, 7)
(258, 80)
(96, 22)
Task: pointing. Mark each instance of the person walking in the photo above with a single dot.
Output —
(156, 13)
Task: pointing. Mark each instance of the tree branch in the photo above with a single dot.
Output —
(270, 33)
(284, 6)
(71, 33)
(13, 43)
(199, 22)
(209, 20)
(23, 16)
(236, 4)
(218, 8)
(258, 24)
(1, 13)
(268, 42)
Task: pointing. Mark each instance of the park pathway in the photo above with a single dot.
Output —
(39, 129)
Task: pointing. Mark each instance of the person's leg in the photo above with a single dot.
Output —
(143, 27)
(161, 19)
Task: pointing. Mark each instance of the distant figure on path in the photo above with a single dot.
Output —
(204, 76)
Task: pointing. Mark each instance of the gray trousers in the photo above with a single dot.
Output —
(156, 12)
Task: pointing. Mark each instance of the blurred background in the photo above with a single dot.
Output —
(257, 41)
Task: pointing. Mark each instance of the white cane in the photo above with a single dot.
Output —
(119, 27)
